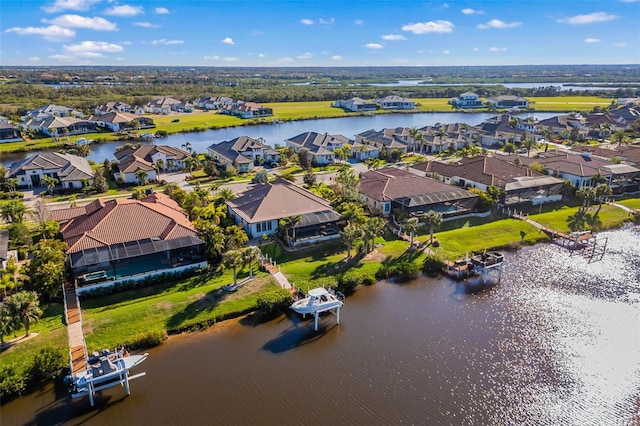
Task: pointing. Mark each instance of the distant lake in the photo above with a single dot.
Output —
(278, 133)
(563, 86)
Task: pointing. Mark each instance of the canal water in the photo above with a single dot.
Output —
(557, 342)
(278, 133)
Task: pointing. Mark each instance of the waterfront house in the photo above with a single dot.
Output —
(466, 100)
(9, 133)
(148, 158)
(71, 171)
(441, 137)
(390, 189)
(563, 125)
(585, 170)
(243, 153)
(503, 129)
(508, 102)
(320, 146)
(519, 184)
(260, 209)
(386, 140)
(55, 126)
(118, 121)
(213, 102)
(395, 102)
(355, 105)
(129, 239)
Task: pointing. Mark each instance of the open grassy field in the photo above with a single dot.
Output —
(633, 203)
(596, 218)
(568, 103)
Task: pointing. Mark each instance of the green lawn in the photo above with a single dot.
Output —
(633, 203)
(568, 103)
(596, 218)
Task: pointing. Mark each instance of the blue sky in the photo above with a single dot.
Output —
(318, 33)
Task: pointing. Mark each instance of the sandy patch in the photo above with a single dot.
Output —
(375, 256)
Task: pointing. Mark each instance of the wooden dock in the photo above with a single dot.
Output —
(73, 316)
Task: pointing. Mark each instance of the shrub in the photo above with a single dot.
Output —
(49, 362)
(432, 264)
(146, 339)
(403, 271)
(13, 380)
(273, 301)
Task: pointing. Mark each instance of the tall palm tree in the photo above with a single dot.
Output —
(349, 234)
(413, 134)
(411, 226)
(372, 228)
(433, 220)
(250, 255)
(65, 133)
(187, 147)
(159, 165)
(25, 307)
(529, 144)
(288, 224)
(226, 194)
(234, 237)
(232, 259)
(142, 176)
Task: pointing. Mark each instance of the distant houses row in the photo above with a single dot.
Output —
(470, 100)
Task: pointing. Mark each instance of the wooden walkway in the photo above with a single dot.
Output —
(276, 274)
(77, 348)
(554, 234)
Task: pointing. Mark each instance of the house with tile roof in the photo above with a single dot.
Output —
(51, 110)
(116, 106)
(520, 184)
(166, 105)
(385, 139)
(71, 170)
(53, 125)
(320, 146)
(9, 133)
(145, 157)
(502, 129)
(260, 209)
(395, 102)
(389, 189)
(118, 121)
(213, 102)
(355, 105)
(466, 100)
(585, 170)
(242, 152)
(128, 239)
(508, 102)
(439, 138)
(244, 109)
(563, 124)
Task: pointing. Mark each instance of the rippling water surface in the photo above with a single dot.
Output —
(557, 342)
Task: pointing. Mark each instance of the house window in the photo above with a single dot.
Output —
(264, 226)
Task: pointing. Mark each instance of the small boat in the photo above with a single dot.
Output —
(318, 300)
(104, 371)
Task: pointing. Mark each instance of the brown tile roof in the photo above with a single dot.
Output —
(105, 223)
(277, 200)
(389, 184)
(131, 159)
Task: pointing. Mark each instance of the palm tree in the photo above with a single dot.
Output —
(529, 144)
(232, 259)
(25, 308)
(171, 164)
(65, 133)
(587, 194)
(226, 194)
(433, 220)
(142, 176)
(54, 133)
(251, 254)
(159, 165)
(349, 234)
(187, 147)
(414, 134)
(50, 182)
(411, 226)
(620, 137)
(234, 237)
(13, 211)
(7, 322)
(289, 223)
(372, 228)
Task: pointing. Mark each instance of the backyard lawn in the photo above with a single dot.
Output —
(567, 219)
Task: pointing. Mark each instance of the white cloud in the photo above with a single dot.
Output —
(50, 33)
(306, 21)
(230, 59)
(88, 47)
(373, 45)
(212, 57)
(34, 59)
(261, 55)
(146, 25)
(60, 5)
(469, 11)
(497, 49)
(591, 40)
(124, 10)
(167, 42)
(161, 10)
(393, 37)
(446, 52)
(336, 58)
(326, 22)
(285, 60)
(438, 26)
(589, 18)
(77, 21)
(305, 55)
(497, 23)
(358, 22)
(227, 40)
(621, 44)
